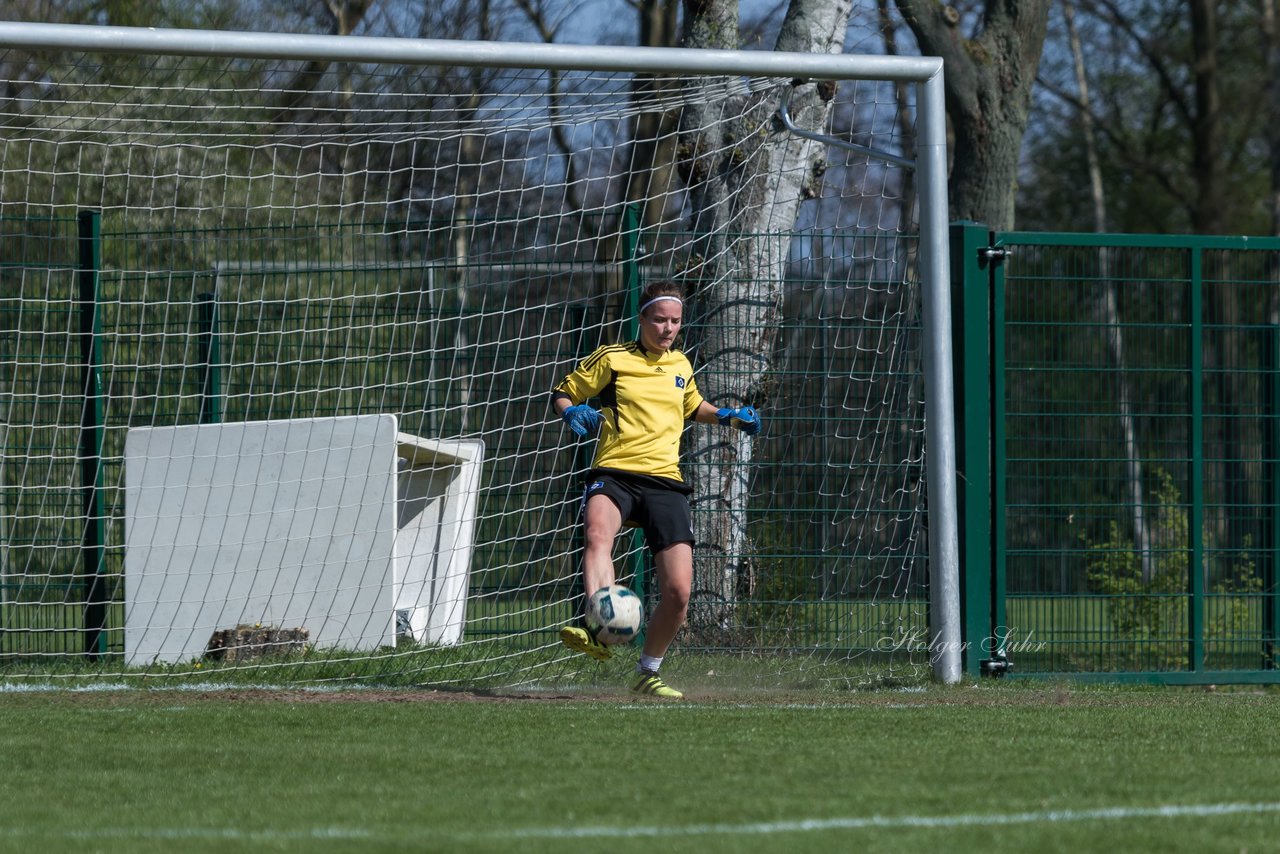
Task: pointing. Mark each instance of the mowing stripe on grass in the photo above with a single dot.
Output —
(885, 821)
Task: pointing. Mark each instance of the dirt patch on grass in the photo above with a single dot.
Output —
(376, 695)
(969, 695)
(980, 694)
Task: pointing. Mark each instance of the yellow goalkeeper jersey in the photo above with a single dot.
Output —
(645, 399)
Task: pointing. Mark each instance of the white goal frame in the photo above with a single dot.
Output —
(926, 73)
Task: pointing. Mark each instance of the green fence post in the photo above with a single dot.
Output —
(999, 453)
(1195, 566)
(1271, 437)
(210, 359)
(578, 315)
(971, 337)
(632, 286)
(93, 546)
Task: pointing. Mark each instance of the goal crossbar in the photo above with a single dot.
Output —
(180, 42)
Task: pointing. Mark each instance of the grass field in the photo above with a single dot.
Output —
(1007, 766)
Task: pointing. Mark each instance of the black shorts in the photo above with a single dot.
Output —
(657, 505)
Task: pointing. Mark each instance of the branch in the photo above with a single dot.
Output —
(934, 27)
(1128, 155)
(343, 19)
(1149, 51)
(548, 34)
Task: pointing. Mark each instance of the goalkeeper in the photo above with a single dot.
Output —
(646, 392)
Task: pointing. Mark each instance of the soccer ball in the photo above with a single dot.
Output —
(614, 612)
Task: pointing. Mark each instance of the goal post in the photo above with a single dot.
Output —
(309, 206)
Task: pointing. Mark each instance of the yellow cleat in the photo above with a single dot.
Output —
(651, 685)
(583, 641)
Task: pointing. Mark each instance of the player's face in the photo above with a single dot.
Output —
(660, 324)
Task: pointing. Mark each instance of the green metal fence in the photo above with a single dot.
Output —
(48, 493)
(1118, 407)
(104, 329)
(348, 324)
(1119, 418)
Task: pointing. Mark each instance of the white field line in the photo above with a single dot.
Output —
(200, 687)
(231, 834)
(887, 822)
(321, 834)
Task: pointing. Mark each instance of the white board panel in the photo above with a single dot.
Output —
(287, 523)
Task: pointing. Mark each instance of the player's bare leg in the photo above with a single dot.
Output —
(601, 523)
(602, 520)
(674, 566)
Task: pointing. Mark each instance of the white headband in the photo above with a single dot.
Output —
(658, 299)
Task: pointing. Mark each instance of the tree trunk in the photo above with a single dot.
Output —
(1222, 298)
(1271, 50)
(988, 85)
(906, 124)
(744, 189)
(1206, 128)
(651, 158)
(651, 170)
(465, 196)
(1109, 309)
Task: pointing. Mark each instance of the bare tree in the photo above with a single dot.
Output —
(651, 168)
(1206, 124)
(340, 18)
(1271, 61)
(1176, 117)
(906, 129)
(1209, 217)
(756, 184)
(1108, 304)
(989, 77)
(1165, 71)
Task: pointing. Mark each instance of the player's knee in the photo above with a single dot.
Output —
(676, 597)
(599, 536)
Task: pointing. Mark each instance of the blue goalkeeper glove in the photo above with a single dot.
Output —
(745, 419)
(582, 419)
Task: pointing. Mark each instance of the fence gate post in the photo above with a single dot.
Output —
(632, 285)
(1195, 515)
(1271, 453)
(971, 337)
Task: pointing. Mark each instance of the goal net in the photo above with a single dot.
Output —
(279, 319)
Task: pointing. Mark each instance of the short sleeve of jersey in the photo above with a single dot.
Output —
(590, 376)
(692, 397)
